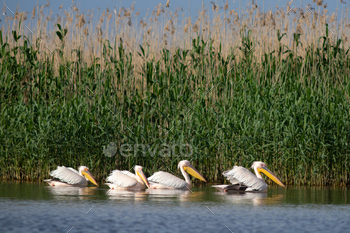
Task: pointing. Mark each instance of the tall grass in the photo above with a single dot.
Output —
(280, 96)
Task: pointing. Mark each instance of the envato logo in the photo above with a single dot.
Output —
(163, 150)
(110, 150)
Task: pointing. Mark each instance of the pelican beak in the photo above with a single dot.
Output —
(89, 177)
(193, 172)
(271, 175)
(143, 178)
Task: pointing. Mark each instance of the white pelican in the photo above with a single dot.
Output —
(244, 180)
(67, 176)
(164, 180)
(126, 180)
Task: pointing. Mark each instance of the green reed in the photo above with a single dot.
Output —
(289, 111)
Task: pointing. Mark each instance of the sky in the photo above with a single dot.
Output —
(189, 7)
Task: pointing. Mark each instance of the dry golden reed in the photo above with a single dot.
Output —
(221, 24)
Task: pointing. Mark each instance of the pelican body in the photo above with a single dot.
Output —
(125, 180)
(165, 180)
(69, 177)
(244, 180)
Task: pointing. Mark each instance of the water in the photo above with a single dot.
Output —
(31, 207)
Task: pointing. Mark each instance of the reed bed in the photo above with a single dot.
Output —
(237, 86)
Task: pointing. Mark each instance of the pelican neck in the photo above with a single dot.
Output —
(185, 174)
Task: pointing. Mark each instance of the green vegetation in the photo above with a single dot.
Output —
(288, 110)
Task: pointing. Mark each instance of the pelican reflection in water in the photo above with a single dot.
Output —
(124, 194)
(255, 198)
(245, 181)
(71, 192)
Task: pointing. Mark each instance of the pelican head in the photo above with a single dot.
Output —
(186, 165)
(139, 173)
(84, 171)
(259, 166)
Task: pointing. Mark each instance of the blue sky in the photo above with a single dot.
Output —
(148, 5)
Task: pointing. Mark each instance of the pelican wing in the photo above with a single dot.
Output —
(233, 180)
(132, 175)
(73, 170)
(121, 179)
(167, 179)
(67, 175)
(245, 177)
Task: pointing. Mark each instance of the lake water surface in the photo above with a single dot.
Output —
(34, 207)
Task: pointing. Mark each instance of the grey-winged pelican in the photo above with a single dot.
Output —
(165, 180)
(67, 176)
(126, 180)
(244, 180)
